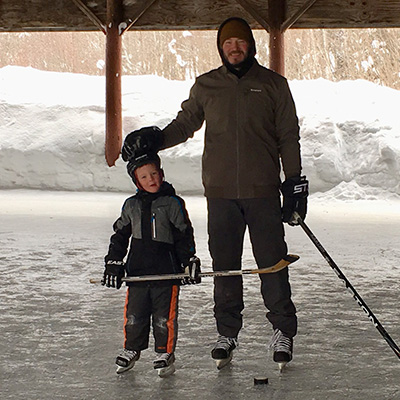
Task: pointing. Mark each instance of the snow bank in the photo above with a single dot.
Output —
(52, 133)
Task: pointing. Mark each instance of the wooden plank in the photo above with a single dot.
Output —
(138, 13)
(36, 15)
(206, 14)
(297, 15)
(89, 13)
(349, 14)
(64, 15)
(255, 13)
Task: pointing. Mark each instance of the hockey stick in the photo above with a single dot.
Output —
(283, 263)
(349, 286)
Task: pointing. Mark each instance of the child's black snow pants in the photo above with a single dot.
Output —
(156, 305)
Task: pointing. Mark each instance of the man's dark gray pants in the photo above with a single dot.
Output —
(227, 222)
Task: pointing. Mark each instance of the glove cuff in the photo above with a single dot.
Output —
(117, 263)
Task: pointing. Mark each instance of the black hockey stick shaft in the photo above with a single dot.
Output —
(350, 287)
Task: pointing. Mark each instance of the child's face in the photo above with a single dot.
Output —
(149, 178)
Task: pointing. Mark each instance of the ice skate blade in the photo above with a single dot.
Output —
(223, 362)
(282, 365)
(120, 370)
(166, 371)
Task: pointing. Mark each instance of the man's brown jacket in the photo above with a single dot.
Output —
(251, 127)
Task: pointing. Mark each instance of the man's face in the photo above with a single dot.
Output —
(149, 178)
(235, 50)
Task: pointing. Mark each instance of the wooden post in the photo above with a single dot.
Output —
(277, 51)
(276, 11)
(113, 82)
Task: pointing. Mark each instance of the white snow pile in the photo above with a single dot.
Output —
(52, 129)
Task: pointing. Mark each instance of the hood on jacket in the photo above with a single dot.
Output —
(235, 27)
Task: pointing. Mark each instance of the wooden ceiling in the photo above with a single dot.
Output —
(91, 15)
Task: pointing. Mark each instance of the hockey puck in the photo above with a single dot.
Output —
(260, 381)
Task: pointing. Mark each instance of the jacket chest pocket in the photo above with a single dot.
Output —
(160, 225)
(257, 102)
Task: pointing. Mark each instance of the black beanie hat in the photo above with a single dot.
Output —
(236, 27)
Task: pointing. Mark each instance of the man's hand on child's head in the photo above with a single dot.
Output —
(142, 141)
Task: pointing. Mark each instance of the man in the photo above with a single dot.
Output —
(251, 128)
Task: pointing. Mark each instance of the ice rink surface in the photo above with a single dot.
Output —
(60, 334)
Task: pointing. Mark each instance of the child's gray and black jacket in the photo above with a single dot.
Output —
(160, 234)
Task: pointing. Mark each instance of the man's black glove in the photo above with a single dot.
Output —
(192, 268)
(113, 273)
(295, 193)
(141, 141)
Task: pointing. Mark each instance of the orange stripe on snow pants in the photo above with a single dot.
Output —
(125, 314)
(172, 319)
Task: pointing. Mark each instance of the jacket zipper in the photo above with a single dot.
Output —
(237, 138)
(153, 226)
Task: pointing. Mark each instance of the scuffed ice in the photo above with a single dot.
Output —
(61, 334)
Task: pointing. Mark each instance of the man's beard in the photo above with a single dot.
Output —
(238, 65)
(240, 68)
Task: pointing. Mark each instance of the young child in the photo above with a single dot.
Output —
(157, 225)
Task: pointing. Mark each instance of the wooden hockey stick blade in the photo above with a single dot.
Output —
(283, 263)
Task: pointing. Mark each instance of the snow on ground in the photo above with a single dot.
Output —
(58, 200)
(52, 133)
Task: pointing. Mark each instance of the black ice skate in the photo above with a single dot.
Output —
(223, 349)
(164, 364)
(126, 360)
(282, 347)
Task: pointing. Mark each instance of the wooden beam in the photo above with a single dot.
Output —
(255, 14)
(113, 82)
(141, 10)
(89, 13)
(291, 20)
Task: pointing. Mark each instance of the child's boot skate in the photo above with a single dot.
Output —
(164, 364)
(126, 360)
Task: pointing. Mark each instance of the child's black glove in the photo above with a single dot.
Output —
(113, 273)
(295, 193)
(192, 268)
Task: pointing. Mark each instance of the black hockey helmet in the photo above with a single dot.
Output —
(139, 161)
